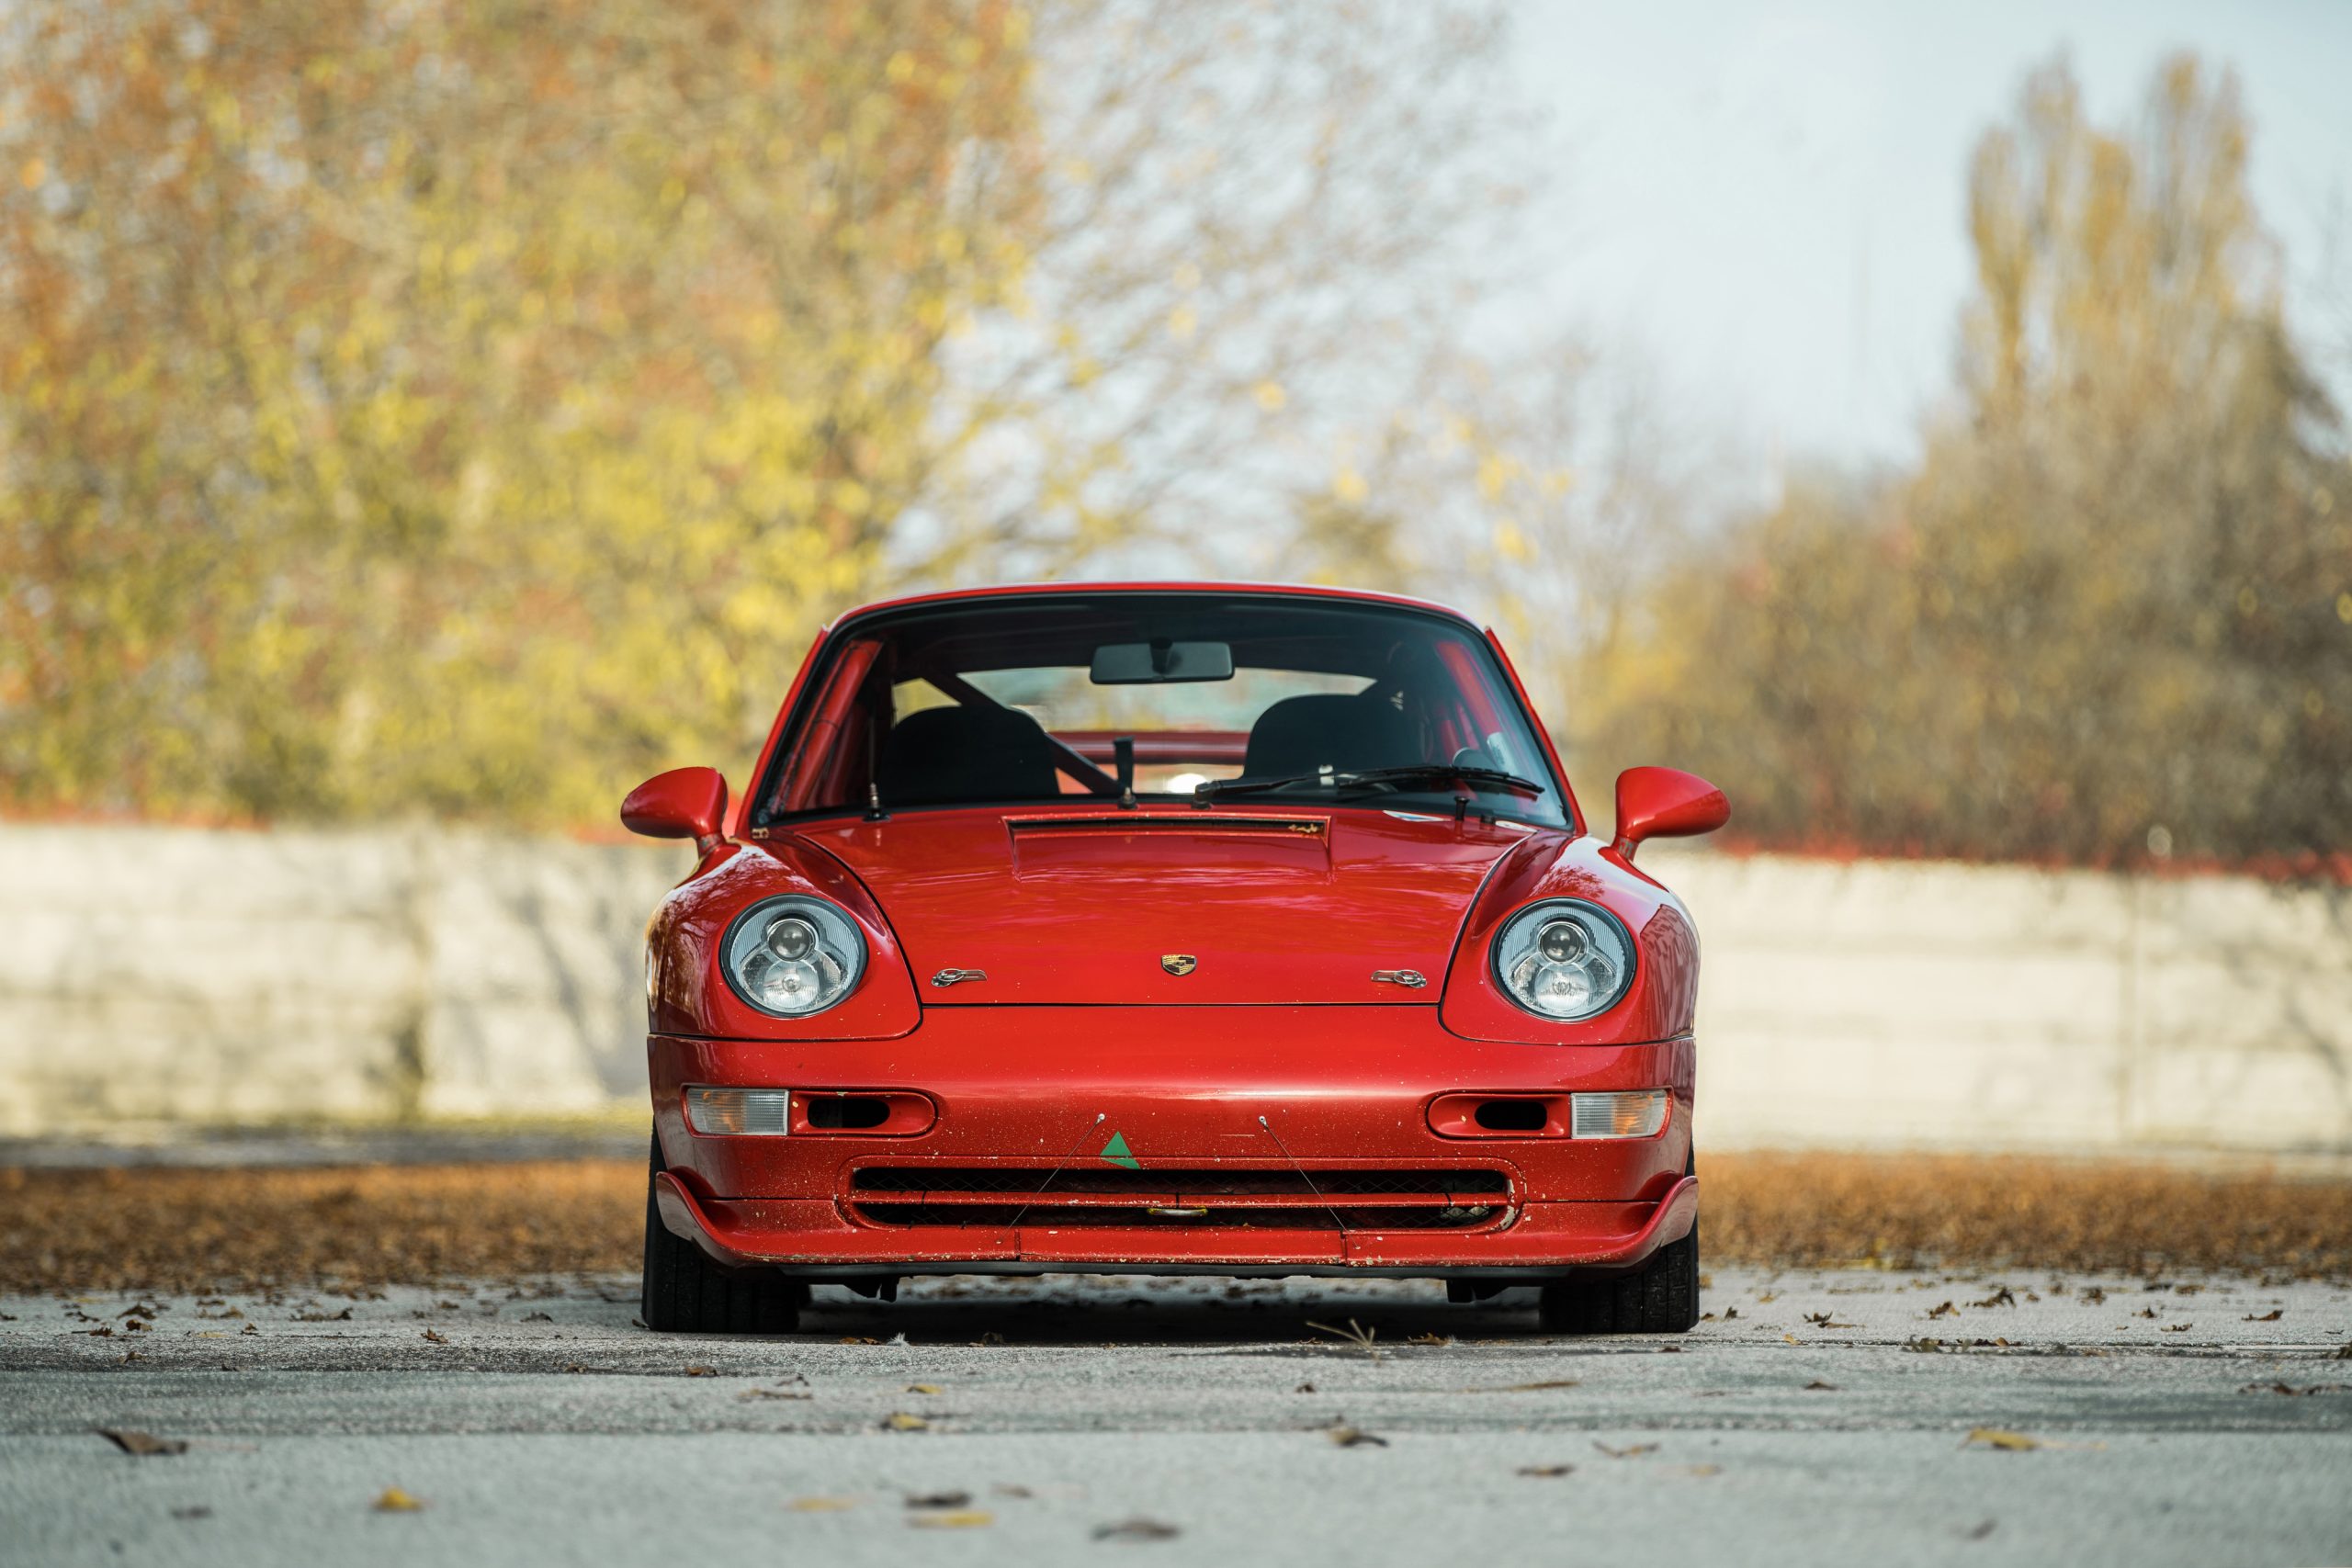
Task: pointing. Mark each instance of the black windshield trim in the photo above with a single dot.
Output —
(862, 621)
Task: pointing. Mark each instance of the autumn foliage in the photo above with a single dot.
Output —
(2108, 616)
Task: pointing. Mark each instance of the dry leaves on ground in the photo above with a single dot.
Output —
(352, 1228)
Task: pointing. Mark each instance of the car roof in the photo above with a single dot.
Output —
(1258, 590)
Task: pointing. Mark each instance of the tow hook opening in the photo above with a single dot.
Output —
(846, 1113)
(1512, 1115)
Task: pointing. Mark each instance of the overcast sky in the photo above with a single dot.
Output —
(1765, 202)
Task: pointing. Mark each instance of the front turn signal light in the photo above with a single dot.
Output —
(740, 1112)
(1635, 1113)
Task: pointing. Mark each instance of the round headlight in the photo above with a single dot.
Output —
(1564, 959)
(794, 956)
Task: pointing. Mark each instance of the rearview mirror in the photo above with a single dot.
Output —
(684, 803)
(1144, 663)
(1665, 803)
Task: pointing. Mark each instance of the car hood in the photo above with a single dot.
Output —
(1101, 907)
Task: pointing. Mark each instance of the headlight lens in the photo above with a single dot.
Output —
(794, 956)
(1564, 959)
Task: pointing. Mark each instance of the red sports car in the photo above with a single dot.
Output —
(1167, 928)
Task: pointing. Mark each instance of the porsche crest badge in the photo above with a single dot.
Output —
(1179, 963)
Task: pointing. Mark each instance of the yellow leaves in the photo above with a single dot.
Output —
(951, 1520)
(2344, 608)
(1495, 471)
(1269, 396)
(1182, 322)
(1349, 487)
(392, 1500)
(1511, 544)
(33, 173)
(2002, 1438)
(901, 68)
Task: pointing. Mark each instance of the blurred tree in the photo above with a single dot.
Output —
(2110, 616)
(471, 405)
(461, 405)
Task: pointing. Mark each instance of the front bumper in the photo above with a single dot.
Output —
(1252, 1091)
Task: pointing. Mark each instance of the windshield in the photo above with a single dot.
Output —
(1177, 696)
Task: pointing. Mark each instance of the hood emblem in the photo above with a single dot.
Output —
(1411, 979)
(1179, 964)
(947, 977)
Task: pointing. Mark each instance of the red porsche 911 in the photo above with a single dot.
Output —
(1167, 928)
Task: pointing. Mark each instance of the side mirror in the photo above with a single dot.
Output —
(684, 803)
(1665, 803)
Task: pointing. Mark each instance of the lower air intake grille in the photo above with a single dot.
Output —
(1224, 1197)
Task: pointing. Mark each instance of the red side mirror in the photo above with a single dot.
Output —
(1665, 803)
(684, 803)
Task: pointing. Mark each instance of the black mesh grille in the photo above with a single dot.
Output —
(999, 1216)
(1191, 1183)
(1220, 1197)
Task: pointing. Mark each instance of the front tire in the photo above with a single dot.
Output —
(1662, 1297)
(685, 1292)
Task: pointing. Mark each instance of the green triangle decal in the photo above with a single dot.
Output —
(1116, 1152)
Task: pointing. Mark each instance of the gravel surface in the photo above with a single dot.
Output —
(1820, 1415)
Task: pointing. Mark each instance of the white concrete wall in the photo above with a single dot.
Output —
(165, 974)
(177, 975)
(1929, 1004)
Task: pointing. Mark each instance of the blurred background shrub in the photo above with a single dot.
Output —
(470, 406)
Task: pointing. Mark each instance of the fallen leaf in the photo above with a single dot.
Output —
(1303, 1388)
(2094, 1296)
(142, 1443)
(900, 1421)
(822, 1505)
(1523, 1387)
(941, 1500)
(1824, 1387)
(859, 1339)
(1923, 1345)
(1354, 1437)
(2000, 1438)
(437, 1338)
(1635, 1453)
(2000, 1298)
(395, 1501)
(2175, 1329)
(1822, 1320)
(923, 1388)
(2145, 1312)
(701, 1371)
(1730, 1312)
(1136, 1529)
(342, 1317)
(1944, 1309)
(537, 1317)
(1546, 1472)
(2273, 1316)
(1767, 1297)
(957, 1520)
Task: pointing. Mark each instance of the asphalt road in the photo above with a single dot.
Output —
(1195, 1421)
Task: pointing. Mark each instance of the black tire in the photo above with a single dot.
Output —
(1662, 1297)
(686, 1292)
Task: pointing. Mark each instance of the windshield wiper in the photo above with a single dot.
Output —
(1379, 778)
